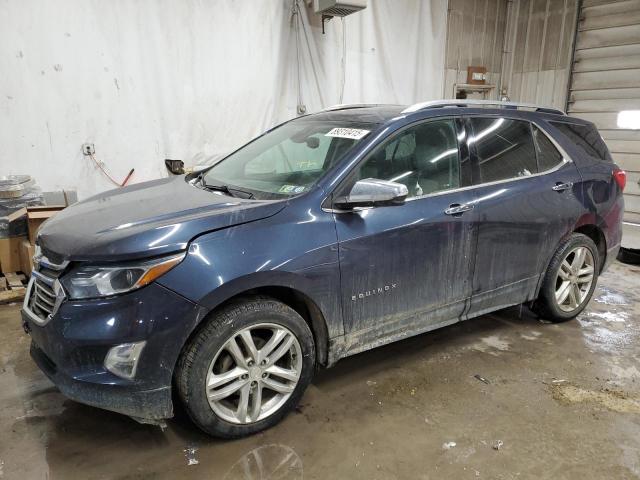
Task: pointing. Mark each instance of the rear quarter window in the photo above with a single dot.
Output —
(548, 155)
(587, 138)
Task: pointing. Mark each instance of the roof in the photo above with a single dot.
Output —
(361, 114)
(378, 114)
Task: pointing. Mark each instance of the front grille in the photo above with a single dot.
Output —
(44, 292)
(43, 299)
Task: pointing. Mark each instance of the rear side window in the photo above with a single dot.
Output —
(504, 147)
(587, 138)
(548, 155)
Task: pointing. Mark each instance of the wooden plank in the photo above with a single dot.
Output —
(13, 280)
(8, 296)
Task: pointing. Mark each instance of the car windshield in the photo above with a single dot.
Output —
(288, 160)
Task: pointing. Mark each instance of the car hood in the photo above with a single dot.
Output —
(144, 220)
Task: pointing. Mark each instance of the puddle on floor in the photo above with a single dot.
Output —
(268, 461)
(609, 297)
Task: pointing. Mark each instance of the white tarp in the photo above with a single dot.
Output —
(189, 79)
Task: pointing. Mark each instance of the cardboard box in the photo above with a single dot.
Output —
(27, 251)
(476, 75)
(10, 254)
(36, 217)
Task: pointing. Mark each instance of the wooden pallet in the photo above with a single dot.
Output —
(12, 287)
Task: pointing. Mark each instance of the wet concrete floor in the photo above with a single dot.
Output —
(560, 401)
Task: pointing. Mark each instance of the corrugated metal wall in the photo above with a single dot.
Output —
(526, 46)
(606, 80)
(539, 45)
(475, 36)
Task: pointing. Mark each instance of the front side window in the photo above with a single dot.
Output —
(504, 148)
(547, 153)
(424, 157)
(288, 160)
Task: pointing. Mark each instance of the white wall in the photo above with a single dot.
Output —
(147, 80)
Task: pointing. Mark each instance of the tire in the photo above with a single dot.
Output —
(547, 305)
(210, 359)
(628, 255)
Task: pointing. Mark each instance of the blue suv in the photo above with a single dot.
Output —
(326, 236)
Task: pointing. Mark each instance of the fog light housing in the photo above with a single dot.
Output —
(122, 360)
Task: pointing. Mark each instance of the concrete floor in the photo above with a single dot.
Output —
(562, 401)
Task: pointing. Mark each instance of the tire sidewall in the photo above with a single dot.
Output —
(226, 326)
(578, 240)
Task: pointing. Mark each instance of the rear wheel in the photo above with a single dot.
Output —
(246, 368)
(570, 279)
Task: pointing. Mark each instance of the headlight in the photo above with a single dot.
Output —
(106, 280)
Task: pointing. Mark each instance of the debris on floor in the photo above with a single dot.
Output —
(482, 379)
(498, 445)
(190, 455)
(614, 400)
(448, 445)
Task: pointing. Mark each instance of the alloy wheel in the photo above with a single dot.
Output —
(254, 373)
(574, 279)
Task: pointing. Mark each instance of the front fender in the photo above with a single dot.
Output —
(269, 253)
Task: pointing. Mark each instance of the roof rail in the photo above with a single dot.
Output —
(471, 102)
(345, 106)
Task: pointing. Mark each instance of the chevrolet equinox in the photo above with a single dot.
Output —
(326, 236)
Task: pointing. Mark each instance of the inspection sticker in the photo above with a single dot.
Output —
(354, 133)
(291, 189)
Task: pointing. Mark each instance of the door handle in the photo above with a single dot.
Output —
(561, 187)
(458, 209)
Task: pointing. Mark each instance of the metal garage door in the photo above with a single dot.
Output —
(605, 81)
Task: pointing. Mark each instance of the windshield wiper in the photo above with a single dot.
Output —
(232, 192)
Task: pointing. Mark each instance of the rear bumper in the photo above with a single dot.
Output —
(70, 349)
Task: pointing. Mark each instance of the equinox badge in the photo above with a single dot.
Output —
(375, 291)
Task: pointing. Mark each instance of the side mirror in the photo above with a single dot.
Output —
(372, 192)
(175, 167)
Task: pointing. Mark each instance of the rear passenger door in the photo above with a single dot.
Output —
(526, 202)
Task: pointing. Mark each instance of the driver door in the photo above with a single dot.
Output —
(408, 268)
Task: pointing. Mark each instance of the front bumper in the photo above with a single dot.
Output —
(70, 349)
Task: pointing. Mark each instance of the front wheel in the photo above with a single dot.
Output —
(570, 279)
(246, 368)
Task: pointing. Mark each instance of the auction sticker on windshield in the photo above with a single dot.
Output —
(354, 133)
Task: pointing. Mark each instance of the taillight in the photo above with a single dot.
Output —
(620, 176)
